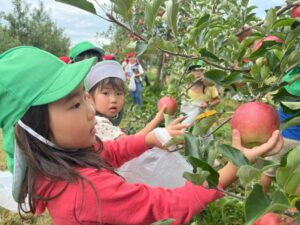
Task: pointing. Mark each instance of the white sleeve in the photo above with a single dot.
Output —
(141, 70)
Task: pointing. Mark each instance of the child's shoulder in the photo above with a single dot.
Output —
(105, 130)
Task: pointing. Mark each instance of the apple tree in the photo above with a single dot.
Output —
(245, 55)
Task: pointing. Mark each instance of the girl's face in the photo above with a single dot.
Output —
(109, 101)
(198, 74)
(132, 60)
(72, 120)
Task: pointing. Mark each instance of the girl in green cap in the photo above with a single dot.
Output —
(60, 165)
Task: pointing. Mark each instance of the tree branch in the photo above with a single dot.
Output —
(278, 13)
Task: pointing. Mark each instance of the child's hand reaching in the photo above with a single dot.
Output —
(159, 117)
(160, 136)
(271, 147)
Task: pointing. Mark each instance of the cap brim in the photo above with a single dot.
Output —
(195, 67)
(68, 78)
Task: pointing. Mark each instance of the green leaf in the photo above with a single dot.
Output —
(202, 20)
(172, 8)
(162, 44)
(288, 178)
(236, 77)
(292, 35)
(123, 8)
(207, 54)
(262, 49)
(283, 22)
(292, 105)
(151, 11)
(244, 3)
(213, 178)
(272, 60)
(256, 204)
(283, 95)
(192, 144)
(215, 75)
(201, 127)
(196, 178)
(164, 222)
(141, 47)
(292, 121)
(247, 173)
(255, 71)
(81, 4)
(293, 158)
(234, 155)
(270, 19)
(234, 41)
(265, 72)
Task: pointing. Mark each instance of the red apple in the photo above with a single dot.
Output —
(170, 102)
(274, 219)
(295, 12)
(244, 34)
(256, 122)
(268, 38)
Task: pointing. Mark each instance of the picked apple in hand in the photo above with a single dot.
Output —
(256, 122)
(171, 104)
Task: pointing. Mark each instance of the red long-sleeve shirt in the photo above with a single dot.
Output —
(120, 202)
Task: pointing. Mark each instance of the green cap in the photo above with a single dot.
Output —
(198, 64)
(82, 47)
(29, 77)
(293, 88)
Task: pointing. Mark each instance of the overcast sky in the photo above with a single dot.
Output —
(80, 25)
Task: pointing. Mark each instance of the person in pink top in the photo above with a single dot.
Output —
(61, 166)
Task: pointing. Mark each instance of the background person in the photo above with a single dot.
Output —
(134, 68)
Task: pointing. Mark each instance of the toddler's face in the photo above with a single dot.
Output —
(72, 120)
(109, 101)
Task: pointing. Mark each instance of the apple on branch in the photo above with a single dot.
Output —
(171, 104)
(295, 12)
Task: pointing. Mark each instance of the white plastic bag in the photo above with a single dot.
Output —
(132, 85)
(191, 109)
(156, 168)
(6, 198)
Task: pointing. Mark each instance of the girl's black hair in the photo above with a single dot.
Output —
(44, 161)
(88, 54)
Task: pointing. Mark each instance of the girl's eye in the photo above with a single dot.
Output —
(105, 93)
(76, 106)
(120, 93)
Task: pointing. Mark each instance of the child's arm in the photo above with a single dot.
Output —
(273, 146)
(158, 119)
(123, 149)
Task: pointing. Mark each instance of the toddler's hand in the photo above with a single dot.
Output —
(271, 147)
(160, 136)
(203, 105)
(175, 128)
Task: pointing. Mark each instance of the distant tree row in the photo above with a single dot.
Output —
(31, 26)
